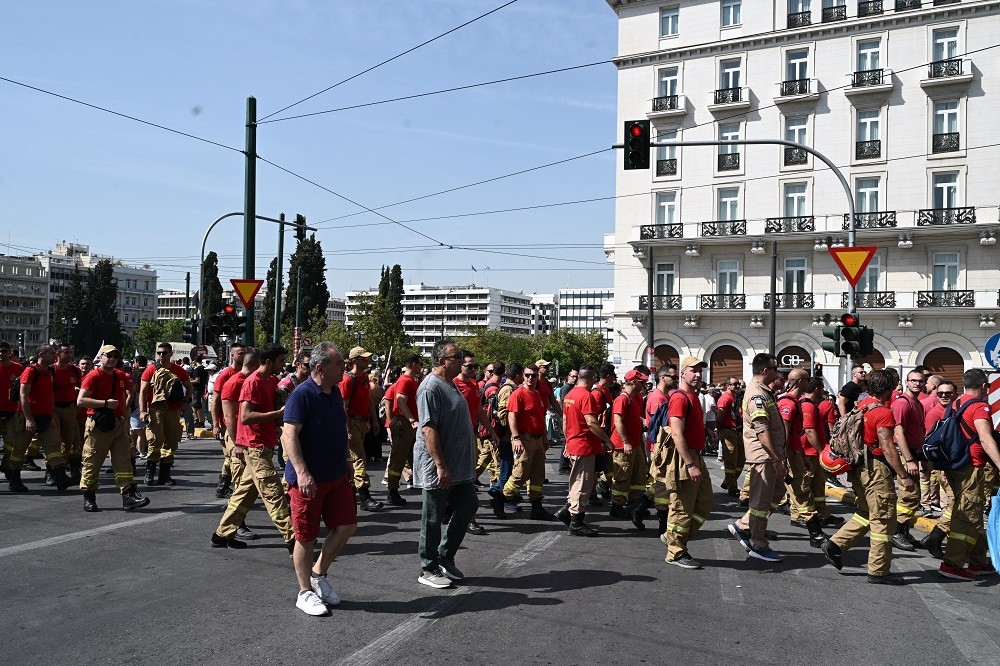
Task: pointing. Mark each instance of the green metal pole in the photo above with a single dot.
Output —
(187, 295)
(298, 297)
(276, 333)
(250, 208)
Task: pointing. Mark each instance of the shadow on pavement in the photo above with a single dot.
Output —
(557, 581)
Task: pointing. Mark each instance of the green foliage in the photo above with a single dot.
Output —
(375, 321)
(315, 296)
(493, 345)
(150, 333)
(570, 349)
(212, 298)
(99, 317)
(71, 304)
(267, 307)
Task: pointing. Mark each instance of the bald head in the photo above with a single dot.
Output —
(797, 375)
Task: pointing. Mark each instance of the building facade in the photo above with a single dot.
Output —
(170, 304)
(586, 311)
(24, 289)
(336, 311)
(893, 93)
(544, 313)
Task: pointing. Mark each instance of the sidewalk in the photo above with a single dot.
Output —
(847, 497)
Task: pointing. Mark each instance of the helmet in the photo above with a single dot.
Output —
(833, 463)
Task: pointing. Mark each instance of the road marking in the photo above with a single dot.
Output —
(729, 582)
(966, 629)
(379, 649)
(55, 541)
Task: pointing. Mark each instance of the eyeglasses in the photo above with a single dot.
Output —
(945, 394)
(531, 376)
(918, 381)
(113, 355)
(470, 365)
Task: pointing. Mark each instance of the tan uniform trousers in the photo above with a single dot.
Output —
(800, 489)
(69, 430)
(402, 435)
(907, 504)
(767, 488)
(875, 497)
(733, 455)
(529, 469)
(817, 486)
(235, 465)
(690, 504)
(50, 442)
(226, 466)
(944, 522)
(96, 447)
(356, 428)
(581, 482)
(259, 477)
(163, 433)
(966, 532)
(488, 459)
(7, 429)
(628, 476)
(930, 485)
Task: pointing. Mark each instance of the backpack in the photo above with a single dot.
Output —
(664, 438)
(659, 419)
(490, 401)
(15, 381)
(947, 445)
(166, 386)
(847, 438)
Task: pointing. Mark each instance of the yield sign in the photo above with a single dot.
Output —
(853, 261)
(247, 290)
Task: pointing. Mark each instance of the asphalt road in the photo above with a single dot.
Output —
(145, 587)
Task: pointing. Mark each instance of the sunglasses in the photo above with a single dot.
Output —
(946, 394)
(113, 355)
(161, 353)
(531, 376)
(470, 365)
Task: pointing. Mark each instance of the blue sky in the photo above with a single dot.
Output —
(145, 195)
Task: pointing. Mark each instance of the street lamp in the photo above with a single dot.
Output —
(69, 323)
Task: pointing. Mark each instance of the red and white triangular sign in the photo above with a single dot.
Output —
(853, 261)
(247, 290)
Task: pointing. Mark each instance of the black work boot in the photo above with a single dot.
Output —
(394, 498)
(16, 485)
(904, 531)
(833, 553)
(618, 511)
(579, 528)
(132, 499)
(934, 541)
(639, 511)
(61, 478)
(538, 511)
(368, 503)
(816, 535)
(150, 479)
(224, 481)
(90, 501)
(901, 539)
(496, 503)
(603, 489)
(594, 499)
(564, 515)
(164, 478)
(661, 517)
(76, 470)
(49, 480)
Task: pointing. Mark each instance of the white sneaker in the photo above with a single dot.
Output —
(310, 604)
(321, 586)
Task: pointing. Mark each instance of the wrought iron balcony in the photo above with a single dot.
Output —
(661, 231)
(728, 95)
(795, 87)
(868, 150)
(777, 225)
(668, 302)
(870, 299)
(867, 77)
(667, 167)
(942, 68)
(946, 299)
(724, 228)
(948, 142)
(723, 301)
(790, 301)
(903, 5)
(834, 14)
(873, 8)
(799, 19)
(795, 156)
(932, 217)
(946, 2)
(882, 219)
(729, 161)
(666, 103)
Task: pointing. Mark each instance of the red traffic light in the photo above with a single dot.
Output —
(229, 309)
(849, 319)
(636, 130)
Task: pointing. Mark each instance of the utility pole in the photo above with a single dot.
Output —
(250, 207)
(187, 295)
(276, 333)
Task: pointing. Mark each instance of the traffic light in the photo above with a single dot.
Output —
(216, 325)
(20, 340)
(866, 340)
(189, 330)
(850, 335)
(239, 325)
(833, 333)
(228, 319)
(300, 230)
(636, 144)
(817, 370)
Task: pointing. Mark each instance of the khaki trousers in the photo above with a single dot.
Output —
(163, 433)
(628, 475)
(356, 428)
(96, 447)
(69, 430)
(875, 498)
(50, 442)
(581, 482)
(733, 455)
(800, 489)
(690, 504)
(817, 486)
(907, 504)
(402, 436)
(966, 533)
(7, 430)
(259, 477)
(488, 459)
(767, 487)
(944, 522)
(529, 469)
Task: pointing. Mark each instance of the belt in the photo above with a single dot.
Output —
(117, 418)
(357, 418)
(533, 435)
(68, 403)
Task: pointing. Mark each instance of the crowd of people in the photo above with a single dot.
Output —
(300, 437)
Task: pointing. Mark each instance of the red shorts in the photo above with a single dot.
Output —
(334, 502)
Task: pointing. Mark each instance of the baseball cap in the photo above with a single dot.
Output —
(634, 375)
(108, 348)
(540, 362)
(358, 352)
(690, 362)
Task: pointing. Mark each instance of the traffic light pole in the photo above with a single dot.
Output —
(276, 329)
(250, 206)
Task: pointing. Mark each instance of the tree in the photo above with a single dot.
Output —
(99, 317)
(377, 330)
(572, 349)
(315, 296)
(267, 307)
(147, 335)
(212, 298)
(71, 304)
(493, 345)
(394, 298)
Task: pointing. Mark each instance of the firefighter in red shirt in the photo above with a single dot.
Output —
(733, 455)
(361, 416)
(803, 512)
(10, 371)
(815, 436)
(526, 420)
(67, 380)
(629, 468)
(403, 426)
(164, 417)
(236, 353)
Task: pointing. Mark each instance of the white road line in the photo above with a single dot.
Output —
(729, 581)
(379, 650)
(55, 541)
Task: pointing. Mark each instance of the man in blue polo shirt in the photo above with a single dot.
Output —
(314, 436)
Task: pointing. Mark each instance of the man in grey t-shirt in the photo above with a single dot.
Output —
(444, 465)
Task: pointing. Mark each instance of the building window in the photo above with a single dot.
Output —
(945, 193)
(667, 81)
(868, 142)
(795, 200)
(666, 279)
(945, 272)
(799, 7)
(729, 73)
(866, 195)
(666, 156)
(729, 153)
(731, 10)
(869, 54)
(666, 207)
(669, 21)
(728, 204)
(797, 129)
(795, 276)
(946, 136)
(945, 44)
(869, 277)
(797, 65)
(729, 276)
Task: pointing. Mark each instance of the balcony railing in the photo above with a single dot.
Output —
(668, 302)
(948, 142)
(867, 77)
(729, 161)
(667, 167)
(872, 8)
(790, 301)
(723, 301)
(728, 95)
(883, 219)
(799, 19)
(661, 231)
(942, 68)
(868, 150)
(777, 225)
(932, 217)
(946, 2)
(870, 299)
(946, 299)
(666, 103)
(834, 14)
(724, 228)
(903, 5)
(795, 156)
(795, 87)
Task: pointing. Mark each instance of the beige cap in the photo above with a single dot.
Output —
(358, 352)
(107, 348)
(690, 362)
(540, 362)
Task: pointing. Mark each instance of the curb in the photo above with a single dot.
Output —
(206, 433)
(847, 497)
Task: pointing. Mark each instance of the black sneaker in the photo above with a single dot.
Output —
(223, 542)
(449, 569)
(685, 561)
(888, 579)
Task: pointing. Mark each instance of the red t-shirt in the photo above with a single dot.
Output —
(811, 420)
(67, 381)
(687, 406)
(470, 391)
(788, 407)
(220, 379)
(828, 414)
(179, 372)
(405, 386)
(932, 416)
(260, 391)
(7, 374)
(529, 410)
(544, 389)
(40, 394)
(654, 399)
(579, 440)
(630, 410)
(390, 398)
(928, 401)
(99, 383)
(909, 413)
(357, 395)
(602, 395)
(231, 391)
(980, 411)
(880, 417)
(727, 410)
